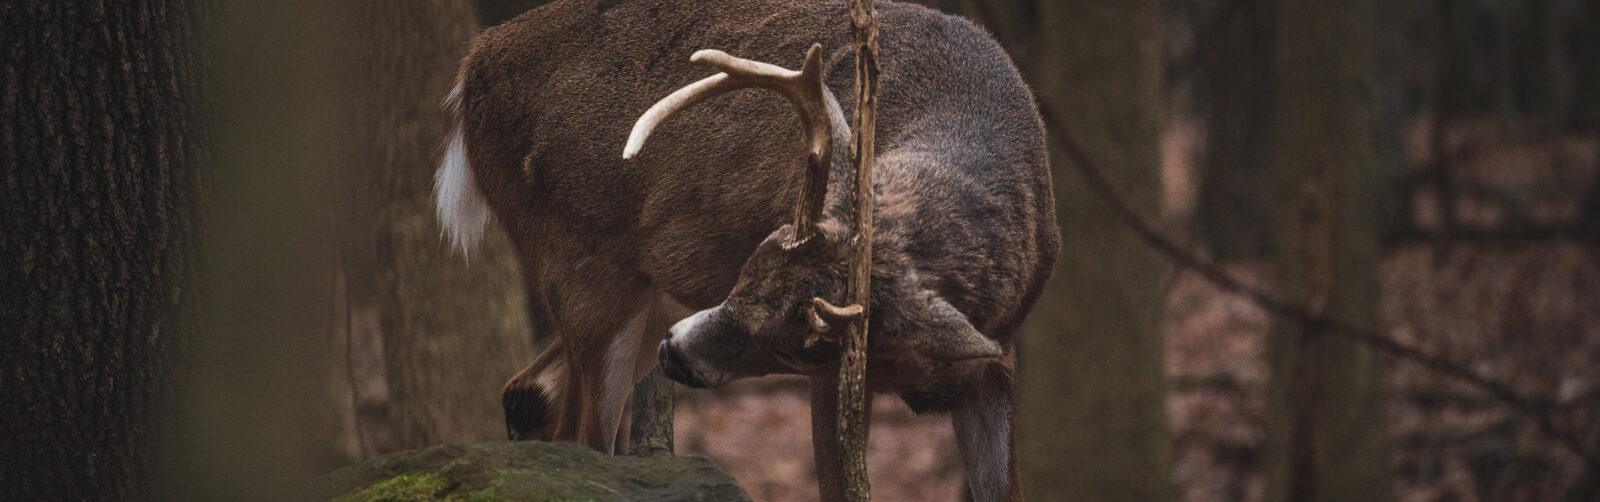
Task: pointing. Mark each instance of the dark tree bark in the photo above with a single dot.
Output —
(1237, 51)
(1326, 437)
(441, 331)
(1092, 411)
(100, 136)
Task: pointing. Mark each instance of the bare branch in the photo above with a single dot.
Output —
(1540, 412)
(853, 356)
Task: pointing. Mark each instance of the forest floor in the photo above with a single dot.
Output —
(1524, 313)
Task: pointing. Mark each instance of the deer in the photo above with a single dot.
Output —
(718, 250)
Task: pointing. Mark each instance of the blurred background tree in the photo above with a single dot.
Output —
(1234, 49)
(417, 322)
(1326, 413)
(1425, 167)
(1091, 413)
(251, 378)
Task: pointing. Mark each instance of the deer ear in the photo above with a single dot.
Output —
(936, 330)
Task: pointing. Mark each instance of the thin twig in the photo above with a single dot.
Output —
(1541, 412)
(1284, 308)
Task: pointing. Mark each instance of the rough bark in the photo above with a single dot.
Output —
(825, 437)
(100, 143)
(651, 433)
(441, 332)
(1092, 411)
(853, 400)
(1326, 436)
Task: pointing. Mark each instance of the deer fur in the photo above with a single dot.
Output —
(701, 220)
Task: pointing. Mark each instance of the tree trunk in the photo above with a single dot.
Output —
(1390, 113)
(1238, 56)
(1585, 112)
(1326, 439)
(1505, 62)
(651, 432)
(1550, 81)
(100, 136)
(441, 332)
(1092, 411)
(1457, 89)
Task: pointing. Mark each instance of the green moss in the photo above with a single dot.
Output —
(402, 488)
(420, 487)
(484, 495)
(538, 472)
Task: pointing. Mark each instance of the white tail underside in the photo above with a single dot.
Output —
(460, 206)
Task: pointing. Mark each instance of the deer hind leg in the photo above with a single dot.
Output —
(562, 396)
(608, 351)
(592, 399)
(984, 422)
(529, 397)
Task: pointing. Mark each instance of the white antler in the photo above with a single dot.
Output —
(803, 89)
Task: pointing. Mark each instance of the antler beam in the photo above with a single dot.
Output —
(803, 89)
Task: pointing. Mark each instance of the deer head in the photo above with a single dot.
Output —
(779, 316)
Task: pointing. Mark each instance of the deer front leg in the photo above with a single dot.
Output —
(825, 436)
(984, 422)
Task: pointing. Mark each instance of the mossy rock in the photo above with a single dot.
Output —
(544, 472)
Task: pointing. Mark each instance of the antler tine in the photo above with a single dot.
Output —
(743, 67)
(803, 89)
(824, 317)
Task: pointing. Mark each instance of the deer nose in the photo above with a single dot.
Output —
(672, 366)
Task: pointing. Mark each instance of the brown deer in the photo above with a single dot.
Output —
(736, 212)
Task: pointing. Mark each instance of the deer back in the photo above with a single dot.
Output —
(549, 98)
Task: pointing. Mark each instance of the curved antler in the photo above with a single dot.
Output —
(803, 89)
(824, 317)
